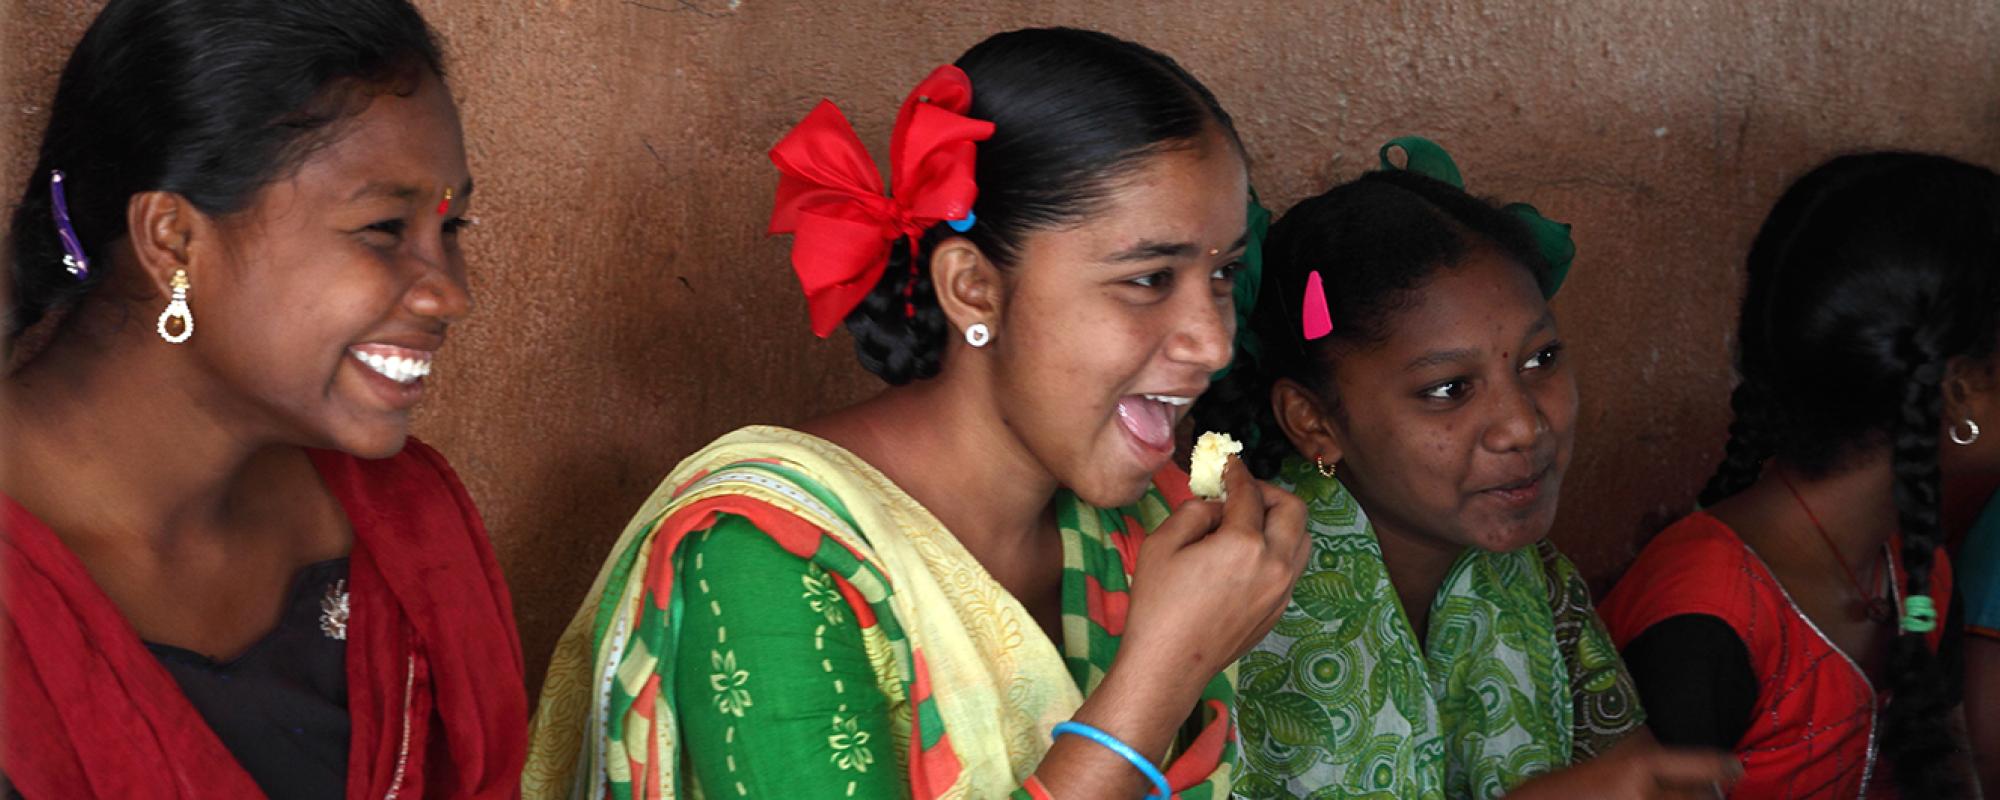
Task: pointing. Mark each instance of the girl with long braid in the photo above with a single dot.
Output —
(1801, 618)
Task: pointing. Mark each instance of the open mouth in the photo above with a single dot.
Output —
(1150, 418)
(399, 364)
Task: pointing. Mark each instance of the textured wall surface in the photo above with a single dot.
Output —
(630, 307)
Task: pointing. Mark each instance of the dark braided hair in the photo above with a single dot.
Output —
(209, 99)
(1870, 274)
(1374, 240)
(1073, 110)
(1748, 447)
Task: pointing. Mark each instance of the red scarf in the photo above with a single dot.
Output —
(434, 678)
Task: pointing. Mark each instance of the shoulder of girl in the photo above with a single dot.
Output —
(1696, 565)
(1696, 538)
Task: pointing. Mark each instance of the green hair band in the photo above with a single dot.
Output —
(1424, 157)
(1919, 616)
(1552, 238)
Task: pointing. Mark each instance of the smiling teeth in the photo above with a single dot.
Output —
(1169, 399)
(396, 368)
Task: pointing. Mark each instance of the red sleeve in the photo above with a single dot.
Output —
(1695, 566)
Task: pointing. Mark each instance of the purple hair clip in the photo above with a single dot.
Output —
(73, 258)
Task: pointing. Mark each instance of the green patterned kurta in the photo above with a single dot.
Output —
(1516, 676)
(780, 620)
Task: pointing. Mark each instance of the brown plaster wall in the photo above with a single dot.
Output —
(630, 307)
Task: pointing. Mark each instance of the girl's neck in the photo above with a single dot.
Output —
(1855, 507)
(945, 444)
(111, 434)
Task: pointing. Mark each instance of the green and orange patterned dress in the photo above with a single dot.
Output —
(1515, 677)
(780, 620)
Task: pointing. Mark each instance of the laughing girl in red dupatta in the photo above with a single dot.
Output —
(227, 570)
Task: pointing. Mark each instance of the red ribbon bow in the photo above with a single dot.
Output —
(830, 195)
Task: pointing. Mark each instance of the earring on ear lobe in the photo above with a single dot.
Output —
(1326, 471)
(1968, 438)
(977, 334)
(178, 308)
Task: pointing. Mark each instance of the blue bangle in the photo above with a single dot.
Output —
(1123, 750)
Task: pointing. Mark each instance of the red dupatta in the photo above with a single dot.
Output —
(435, 690)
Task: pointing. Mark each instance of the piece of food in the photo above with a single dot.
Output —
(1211, 452)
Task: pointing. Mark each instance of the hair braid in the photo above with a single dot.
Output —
(1918, 745)
(1750, 444)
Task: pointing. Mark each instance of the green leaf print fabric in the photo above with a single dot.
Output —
(1341, 701)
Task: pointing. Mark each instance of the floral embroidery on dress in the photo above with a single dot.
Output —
(728, 681)
(850, 744)
(822, 596)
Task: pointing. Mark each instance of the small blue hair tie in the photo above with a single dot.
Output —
(963, 225)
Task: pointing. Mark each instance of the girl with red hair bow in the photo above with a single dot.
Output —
(988, 579)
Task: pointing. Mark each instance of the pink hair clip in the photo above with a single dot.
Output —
(1317, 320)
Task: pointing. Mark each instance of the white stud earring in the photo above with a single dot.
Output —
(1969, 438)
(178, 308)
(977, 334)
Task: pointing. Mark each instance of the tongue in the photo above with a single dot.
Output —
(1147, 421)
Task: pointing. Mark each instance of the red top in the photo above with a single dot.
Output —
(1812, 733)
(435, 691)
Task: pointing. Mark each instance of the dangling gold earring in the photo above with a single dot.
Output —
(177, 309)
(1324, 470)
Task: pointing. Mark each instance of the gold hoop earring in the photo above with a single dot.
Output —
(1324, 470)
